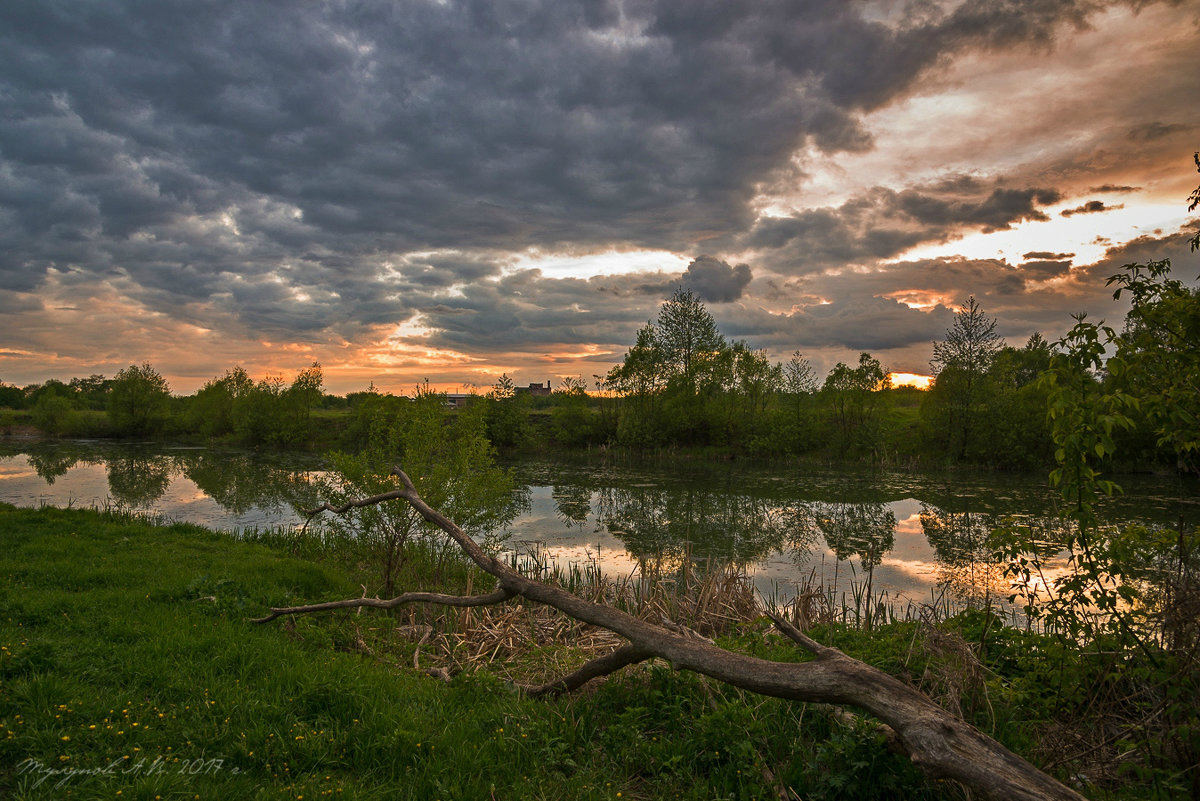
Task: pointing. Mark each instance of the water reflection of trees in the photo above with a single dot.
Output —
(51, 464)
(866, 530)
(666, 527)
(138, 479)
(240, 481)
(961, 541)
(573, 503)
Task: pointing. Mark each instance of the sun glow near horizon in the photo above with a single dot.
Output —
(911, 380)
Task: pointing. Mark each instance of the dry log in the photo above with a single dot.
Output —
(940, 744)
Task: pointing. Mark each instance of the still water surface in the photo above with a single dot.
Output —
(911, 534)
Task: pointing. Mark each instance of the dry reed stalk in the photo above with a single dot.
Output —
(953, 671)
(516, 636)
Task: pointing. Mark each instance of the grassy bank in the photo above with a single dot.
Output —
(128, 669)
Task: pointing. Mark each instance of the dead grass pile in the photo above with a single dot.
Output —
(529, 643)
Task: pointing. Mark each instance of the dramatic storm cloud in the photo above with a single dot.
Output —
(456, 189)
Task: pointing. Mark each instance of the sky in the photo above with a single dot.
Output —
(432, 189)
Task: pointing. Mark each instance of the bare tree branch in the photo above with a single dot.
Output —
(600, 666)
(940, 744)
(494, 597)
(800, 638)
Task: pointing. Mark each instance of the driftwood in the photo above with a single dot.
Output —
(939, 743)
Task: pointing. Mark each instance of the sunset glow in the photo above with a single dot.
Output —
(910, 380)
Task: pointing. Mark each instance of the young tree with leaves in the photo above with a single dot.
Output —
(687, 338)
(960, 365)
(505, 413)
(451, 460)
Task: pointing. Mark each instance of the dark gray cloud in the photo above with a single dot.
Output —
(315, 171)
(1046, 268)
(851, 323)
(408, 126)
(1091, 207)
(528, 309)
(884, 223)
(716, 281)
(1150, 131)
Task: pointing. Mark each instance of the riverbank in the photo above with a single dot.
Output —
(128, 668)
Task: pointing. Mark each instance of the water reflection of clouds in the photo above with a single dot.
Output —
(15, 472)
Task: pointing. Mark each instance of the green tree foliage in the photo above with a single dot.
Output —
(682, 383)
(139, 401)
(305, 394)
(960, 366)
(11, 397)
(505, 415)
(795, 427)
(574, 420)
(54, 410)
(270, 412)
(799, 378)
(1014, 411)
(1193, 202)
(640, 380)
(687, 339)
(92, 391)
(451, 463)
(1157, 361)
(210, 412)
(852, 401)
(1129, 593)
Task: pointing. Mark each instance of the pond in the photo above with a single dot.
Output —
(910, 536)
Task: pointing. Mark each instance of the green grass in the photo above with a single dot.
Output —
(129, 669)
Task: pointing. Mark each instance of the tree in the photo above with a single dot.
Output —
(1157, 361)
(11, 397)
(453, 463)
(798, 375)
(1193, 202)
(299, 400)
(306, 391)
(686, 336)
(1018, 436)
(210, 412)
(573, 419)
(138, 401)
(798, 429)
(960, 364)
(640, 381)
(54, 411)
(852, 396)
(92, 391)
(1130, 592)
(505, 414)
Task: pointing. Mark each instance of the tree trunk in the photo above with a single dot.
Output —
(940, 744)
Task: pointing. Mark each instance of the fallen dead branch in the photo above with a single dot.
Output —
(938, 742)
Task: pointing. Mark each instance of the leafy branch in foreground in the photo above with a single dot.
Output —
(1129, 595)
(938, 742)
